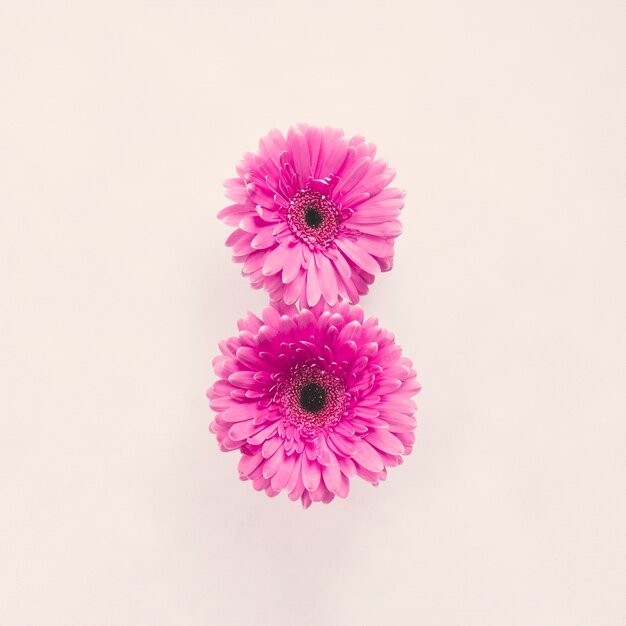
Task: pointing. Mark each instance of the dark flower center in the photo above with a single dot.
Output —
(313, 397)
(313, 217)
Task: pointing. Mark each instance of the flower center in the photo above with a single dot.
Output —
(313, 218)
(312, 398)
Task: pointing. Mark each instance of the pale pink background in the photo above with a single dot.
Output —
(505, 121)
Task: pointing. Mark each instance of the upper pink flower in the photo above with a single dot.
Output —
(312, 398)
(313, 214)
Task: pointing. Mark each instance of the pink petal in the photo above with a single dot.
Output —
(264, 239)
(260, 437)
(235, 237)
(391, 228)
(375, 245)
(335, 154)
(399, 423)
(274, 260)
(234, 213)
(327, 278)
(358, 255)
(282, 476)
(240, 412)
(272, 146)
(347, 466)
(292, 263)
(238, 192)
(344, 487)
(293, 290)
(250, 358)
(313, 291)
(367, 456)
(295, 483)
(243, 379)
(387, 385)
(385, 441)
(272, 465)
(310, 473)
(270, 446)
(315, 140)
(344, 445)
(343, 267)
(353, 175)
(240, 431)
(261, 194)
(349, 331)
(375, 184)
(254, 261)
(297, 146)
(332, 474)
(271, 316)
(249, 462)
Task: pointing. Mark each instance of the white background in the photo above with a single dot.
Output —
(505, 122)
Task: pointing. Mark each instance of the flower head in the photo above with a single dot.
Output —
(314, 216)
(311, 399)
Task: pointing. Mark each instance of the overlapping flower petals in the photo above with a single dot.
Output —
(376, 424)
(323, 263)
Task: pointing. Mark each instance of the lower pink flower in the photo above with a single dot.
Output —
(313, 398)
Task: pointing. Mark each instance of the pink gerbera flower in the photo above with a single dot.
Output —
(313, 214)
(312, 399)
